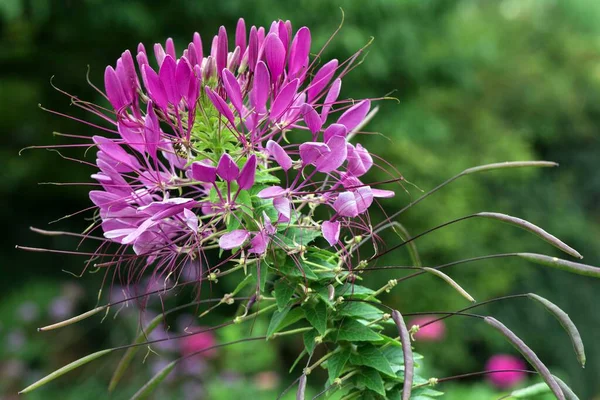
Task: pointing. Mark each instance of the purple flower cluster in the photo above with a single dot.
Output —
(196, 132)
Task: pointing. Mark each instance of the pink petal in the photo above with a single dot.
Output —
(355, 115)
(345, 205)
(275, 55)
(311, 118)
(159, 53)
(167, 78)
(246, 178)
(132, 136)
(321, 79)
(191, 220)
(272, 192)
(197, 41)
(282, 204)
(259, 243)
(334, 130)
(261, 88)
(203, 173)
(364, 198)
(114, 89)
(183, 76)
(331, 232)
(386, 194)
(310, 152)
(240, 34)
(155, 88)
(359, 160)
(234, 93)
(222, 50)
(220, 105)
(279, 154)
(283, 100)
(170, 48)
(332, 95)
(233, 239)
(252, 48)
(299, 51)
(335, 158)
(227, 169)
(151, 131)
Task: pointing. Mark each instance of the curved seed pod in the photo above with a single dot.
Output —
(409, 365)
(156, 380)
(529, 355)
(569, 266)
(451, 282)
(131, 352)
(566, 323)
(301, 388)
(536, 230)
(509, 164)
(73, 320)
(67, 368)
(569, 394)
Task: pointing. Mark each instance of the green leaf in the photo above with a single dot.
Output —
(370, 356)
(245, 202)
(67, 368)
(424, 393)
(283, 293)
(292, 237)
(265, 177)
(356, 291)
(292, 317)
(371, 380)
(276, 320)
(309, 340)
(242, 284)
(360, 310)
(354, 331)
(317, 316)
(337, 362)
(291, 270)
(262, 271)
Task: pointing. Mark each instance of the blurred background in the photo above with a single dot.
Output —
(477, 81)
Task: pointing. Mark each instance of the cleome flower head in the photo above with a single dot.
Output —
(229, 147)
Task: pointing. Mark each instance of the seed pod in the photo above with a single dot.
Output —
(529, 355)
(451, 282)
(569, 266)
(566, 323)
(74, 319)
(409, 366)
(536, 230)
(301, 388)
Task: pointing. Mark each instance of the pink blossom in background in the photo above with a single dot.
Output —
(432, 333)
(505, 380)
(194, 343)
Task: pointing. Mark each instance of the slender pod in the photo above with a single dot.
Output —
(529, 355)
(451, 282)
(569, 266)
(409, 366)
(566, 323)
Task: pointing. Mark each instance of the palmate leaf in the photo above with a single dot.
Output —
(371, 379)
(317, 316)
(283, 293)
(353, 331)
(370, 356)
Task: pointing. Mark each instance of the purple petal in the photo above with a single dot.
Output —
(151, 131)
(345, 205)
(170, 48)
(272, 192)
(310, 152)
(261, 87)
(240, 34)
(132, 136)
(259, 243)
(114, 89)
(159, 53)
(166, 75)
(131, 80)
(233, 239)
(386, 194)
(116, 153)
(269, 228)
(355, 115)
(299, 51)
(227, 169)
(336, 157)
(364, 198)
(252, 48)
(279, 154)
(191, 220)
(183, 76)
(331, 232)
(275, 55)
(332, 95)
(220, 105)
(222, 50)
(156, 90)
(283, 34)
(321, 79)
(234, 93)
(107, 201)
(203, 173)
(311, 118)
(197, 40)
(246, 178)
(282, 204)
(359, 160)
(283, 100)
(334, 130)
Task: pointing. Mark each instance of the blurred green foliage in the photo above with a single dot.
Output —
(478, 81)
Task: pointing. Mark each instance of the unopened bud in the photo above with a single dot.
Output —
(318, 339)
(433, 381)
